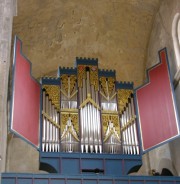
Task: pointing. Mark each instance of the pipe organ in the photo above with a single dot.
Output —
(84, 122)
(86, 110)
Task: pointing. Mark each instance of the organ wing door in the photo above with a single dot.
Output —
(26, 99)
(157, 113)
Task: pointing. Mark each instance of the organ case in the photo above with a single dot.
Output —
(85, 118)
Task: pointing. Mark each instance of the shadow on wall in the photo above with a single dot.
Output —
(167, 168)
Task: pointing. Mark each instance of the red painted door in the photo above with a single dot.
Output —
(157, 112)
(25, 114)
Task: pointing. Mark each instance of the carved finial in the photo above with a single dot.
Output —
(89, 95)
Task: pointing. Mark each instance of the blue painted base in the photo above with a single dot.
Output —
(82, 164)
(16, 178)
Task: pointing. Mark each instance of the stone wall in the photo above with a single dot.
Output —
(7, 11)
(161, 36)
(165, 156)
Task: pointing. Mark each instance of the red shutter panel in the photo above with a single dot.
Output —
(25, 114)
(156, 106)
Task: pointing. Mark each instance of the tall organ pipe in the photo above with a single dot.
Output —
(47, 123)
(44, 123)
(82, 130)
(134, 126)
(131, 128)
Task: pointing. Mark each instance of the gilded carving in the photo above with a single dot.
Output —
(114, 119)
(74, 119)
(81, 75)
(68, 85)
(123, 96)
(108, 88)
(54, 94)
(93, 75)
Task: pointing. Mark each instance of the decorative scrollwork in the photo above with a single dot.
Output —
(68, 84)
(54, 94)
(114, 119)
(74, 118)
(123, 96)
(107, 86)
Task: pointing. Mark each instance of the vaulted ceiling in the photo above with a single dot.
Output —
(55, 32)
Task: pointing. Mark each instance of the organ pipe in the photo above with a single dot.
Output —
(91, 121)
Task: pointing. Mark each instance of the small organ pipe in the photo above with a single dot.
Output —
(91, 129)
(82, 130)
(44, 123)
(131, 128)
(86, 129)
(50, 138)
(87, 83)
(95, 131)
(50, 127)
(99, 131)
(84, 90)
(125, 131)
(47, 123)
(134, 126)
(128, 129)
(123, 135)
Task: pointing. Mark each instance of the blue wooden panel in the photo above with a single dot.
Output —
(91, 164)
(8, 181)
(25, 181)
(137, 182)
(20, 178)
(116, 165)
(129, 164)
(120, 182)
(105, 182)
(89, 182)
(167, 182)
(50, 164)
(40, 181)
(57, 181)
(70, 166)
(152, 182)
(71, 181)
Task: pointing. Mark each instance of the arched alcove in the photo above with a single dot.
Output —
(176, 38)
(166, 167)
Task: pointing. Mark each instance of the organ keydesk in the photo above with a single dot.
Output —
(84, 121)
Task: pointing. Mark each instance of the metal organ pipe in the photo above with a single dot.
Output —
(84, 89)
(50, 127)
(99, 131)
(125, 142)
(128, 129)
(129, 132)
(131, 128)
(47, 123)
(44, 123)
(134, 126)
(50, 137)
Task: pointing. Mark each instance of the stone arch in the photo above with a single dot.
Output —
(167, 165)
(176, 38)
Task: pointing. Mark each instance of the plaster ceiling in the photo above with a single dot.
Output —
(55, 32)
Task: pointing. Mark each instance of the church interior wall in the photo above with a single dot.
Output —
(22, 157)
